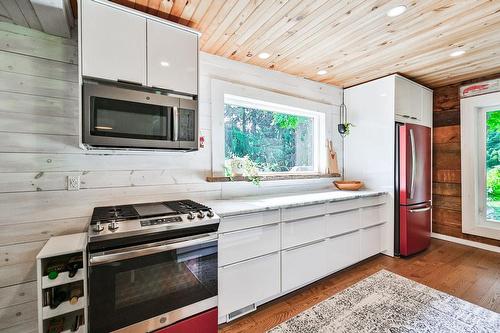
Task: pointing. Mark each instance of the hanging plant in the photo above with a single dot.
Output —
(344, 127)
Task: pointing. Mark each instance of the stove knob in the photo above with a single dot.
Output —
(201, 214)
(190, 216)
(113, 225)
(210, 213)
(98, 227)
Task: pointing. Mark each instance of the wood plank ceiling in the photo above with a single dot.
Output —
(353, 40)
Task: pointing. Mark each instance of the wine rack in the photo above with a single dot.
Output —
(62, 284)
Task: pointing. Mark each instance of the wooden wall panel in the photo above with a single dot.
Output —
(446, 164)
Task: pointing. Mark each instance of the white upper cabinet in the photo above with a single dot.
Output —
(172, 58)
(113, 43)
(408, 99)
(427, 107)
(413, 102)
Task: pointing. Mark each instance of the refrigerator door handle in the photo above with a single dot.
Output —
(413, 163)
(419, 210)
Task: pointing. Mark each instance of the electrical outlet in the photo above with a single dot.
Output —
(73, 183)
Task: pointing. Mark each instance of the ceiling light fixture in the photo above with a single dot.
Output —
(322, 72)
(457, 53)
(264, 55)
(165, 64)
(396, 11)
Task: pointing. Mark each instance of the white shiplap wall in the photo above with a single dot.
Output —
(39, 149)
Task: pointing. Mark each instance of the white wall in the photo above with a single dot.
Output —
(39, 149)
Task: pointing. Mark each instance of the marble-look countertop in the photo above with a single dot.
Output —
(252, 204)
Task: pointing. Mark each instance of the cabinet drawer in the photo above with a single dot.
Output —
(248, 243)
(339, 206)
(373, 215)
(372, 201)
(343, 250)
(302, 265)
(244, 221)
(341, 223)
(371, 240)
(248, 282)
(297, 213)
(303, 231)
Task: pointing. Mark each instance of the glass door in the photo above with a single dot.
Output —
(125, 119)
(135, 284)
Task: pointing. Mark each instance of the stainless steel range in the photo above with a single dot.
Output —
(151, 266)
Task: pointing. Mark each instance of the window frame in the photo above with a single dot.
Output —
(272, 107)
(482, 197)
(473, 160)
(326, 114)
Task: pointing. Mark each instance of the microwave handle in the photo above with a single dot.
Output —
(175, 134)
(100, 259)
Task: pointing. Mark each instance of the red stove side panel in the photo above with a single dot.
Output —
(205, 322)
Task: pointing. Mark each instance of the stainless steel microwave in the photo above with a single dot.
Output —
(127, 117)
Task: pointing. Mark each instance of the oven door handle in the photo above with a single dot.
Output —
(99, 259)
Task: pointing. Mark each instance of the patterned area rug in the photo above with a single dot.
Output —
(386, 302)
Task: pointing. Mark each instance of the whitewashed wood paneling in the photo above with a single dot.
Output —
(37, 105)
(19, 273)
(17, 294)
(37, 231)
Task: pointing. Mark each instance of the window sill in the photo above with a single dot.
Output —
(269, 178)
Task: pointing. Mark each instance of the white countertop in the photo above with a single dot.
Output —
(245, 205)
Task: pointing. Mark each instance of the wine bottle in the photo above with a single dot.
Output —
(74, 294)
(58, 296)
(56, 325)
(54, 268)
(74, 263)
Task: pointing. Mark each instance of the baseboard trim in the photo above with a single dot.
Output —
(466, 242)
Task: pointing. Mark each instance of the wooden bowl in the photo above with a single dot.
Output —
(348, 185)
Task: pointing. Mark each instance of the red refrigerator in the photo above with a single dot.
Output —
(413, 189)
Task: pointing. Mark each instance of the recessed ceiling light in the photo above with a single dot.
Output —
(457, 53)
(165, 64)
(264, 55)
(322, 72)
(396, 11)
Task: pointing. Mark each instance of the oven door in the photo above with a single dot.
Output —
(120, 117)
(146, 287)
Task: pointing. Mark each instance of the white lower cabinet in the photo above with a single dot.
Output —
(371, 240)
(248, 282)
(248, 243)
(373, 215)
(343, 251)
(340, 223)
(267, 254)
(303, 264)
(303, 231)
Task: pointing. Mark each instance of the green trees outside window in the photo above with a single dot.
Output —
(273, 141)
(493, 165)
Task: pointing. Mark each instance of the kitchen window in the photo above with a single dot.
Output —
(274, 138)
(480, 150)
(489, 159)
(261, 132)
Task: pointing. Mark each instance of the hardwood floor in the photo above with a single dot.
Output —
(465, 272)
